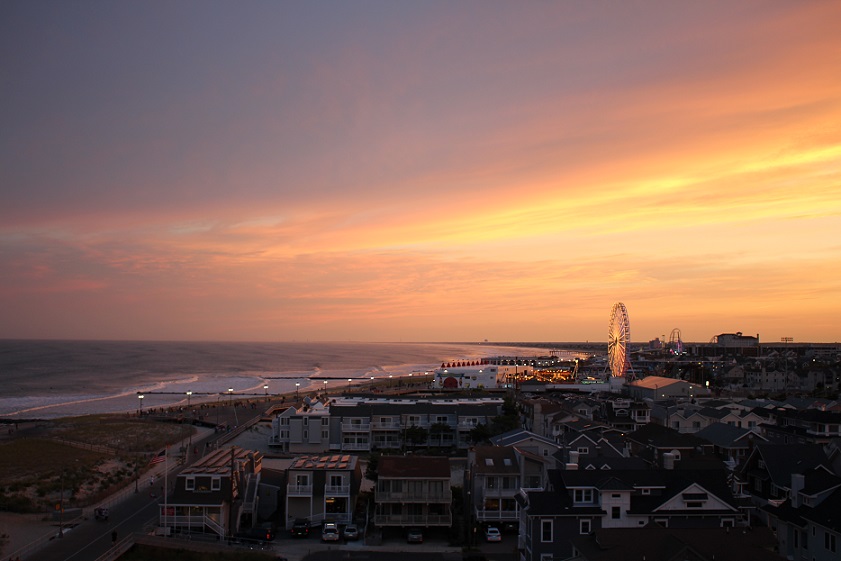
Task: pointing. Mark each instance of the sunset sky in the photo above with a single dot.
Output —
(419, 171)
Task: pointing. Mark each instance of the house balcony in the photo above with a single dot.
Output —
(499, 493)
(299, 490)
(337, 490)
(356, 446)
(419, 424)
(445, 496)
(413, 519)
(388, 425)
(356, 427)
(497, 515)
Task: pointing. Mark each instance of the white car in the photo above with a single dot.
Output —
(330, 532)
(492, 534)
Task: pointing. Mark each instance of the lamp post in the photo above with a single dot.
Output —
(297, 385)
(61, 507)
(325, 386)
(140, 397)
(230, 396)
(266, 389)
(372, 383)
(348, 385)
(190, 409)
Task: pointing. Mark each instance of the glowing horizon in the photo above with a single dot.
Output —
(382, 172)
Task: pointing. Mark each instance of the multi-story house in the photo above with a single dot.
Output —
(625, 414)
(807, 525)
(219, 494)
(413, 491)
(731, 444)
(493, 481)
(322, 487)
(579, 502)
(766, 475)
(802, 426)
(360, 424)
(302, 428)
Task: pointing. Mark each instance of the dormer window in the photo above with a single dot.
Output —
(215, 484)
(190, 484)
(583, 496)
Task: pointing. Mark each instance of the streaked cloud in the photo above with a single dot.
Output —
(426, 172)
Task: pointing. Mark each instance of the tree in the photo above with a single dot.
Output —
(437, 432)
(372, 468)
(416, 435)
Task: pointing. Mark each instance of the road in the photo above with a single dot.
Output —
(92, 539)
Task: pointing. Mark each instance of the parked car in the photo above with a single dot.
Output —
(300, 528)
(351, 532)
(100, 513)
(330, 532)
(492, 534)
(414, 535)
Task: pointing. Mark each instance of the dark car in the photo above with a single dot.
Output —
(351, 532)
(414, 535)
(301, 528)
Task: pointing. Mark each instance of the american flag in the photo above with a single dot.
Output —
(158, 458)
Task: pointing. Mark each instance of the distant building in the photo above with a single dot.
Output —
(658, 388)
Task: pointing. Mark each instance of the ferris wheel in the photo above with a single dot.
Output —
(618, 339)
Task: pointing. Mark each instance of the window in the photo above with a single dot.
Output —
(215, 484)
(829, 541)
(645, 491)
(546, 531)
(583, 496)
(190, 484)
(583, 450)
(325, 421)
(325, 434)
(584, 526)
(615, 513)
(694, 504)
(306, 421)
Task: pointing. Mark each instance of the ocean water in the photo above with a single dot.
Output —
(49, 379)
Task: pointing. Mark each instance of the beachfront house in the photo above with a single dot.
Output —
(413, 491)
(322, 487)
(219, 494)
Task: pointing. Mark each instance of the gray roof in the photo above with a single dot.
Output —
(728, 436)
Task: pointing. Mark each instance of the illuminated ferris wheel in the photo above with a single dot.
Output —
(618, 339)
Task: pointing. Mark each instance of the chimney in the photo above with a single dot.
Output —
(798, 482)
(668, 460)
(573, 458)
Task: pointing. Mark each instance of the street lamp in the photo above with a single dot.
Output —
(266, 388)
(325, 386)
(190, 409)
(140, 397)
(297, 385)
(189, 395)
(372, 382)
(348, 385)
(230, 396)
